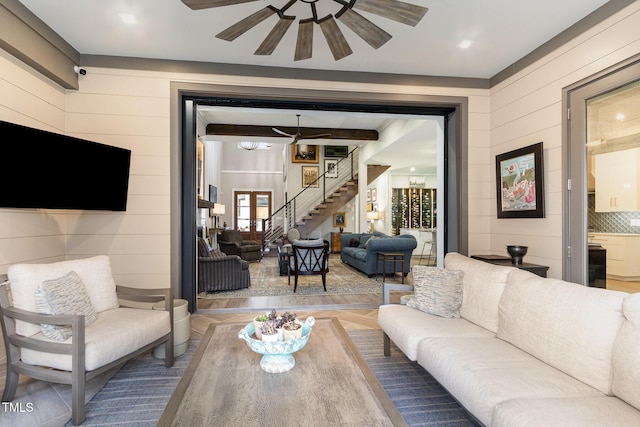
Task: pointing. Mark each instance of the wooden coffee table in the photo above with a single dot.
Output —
(330, 385)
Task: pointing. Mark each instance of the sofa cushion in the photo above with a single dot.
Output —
(626, 354)
(482, 372)
(407, 327)
(95, 273)
(569, 326)
(482, 287)
(64, 295)
(364, 239)
(109, 338)
(369, 240)
(437, 291)
(565, 412)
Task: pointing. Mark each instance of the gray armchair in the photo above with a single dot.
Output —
(220, 272)
(231, 243)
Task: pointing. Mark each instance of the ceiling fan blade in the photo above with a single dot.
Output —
(275, 36)
(245, 25)
(367, 30)
(206, 4)
(399, 11)
(281, 132)
(304, 45)
(335, 39)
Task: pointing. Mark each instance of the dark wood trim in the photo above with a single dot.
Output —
(267, 131)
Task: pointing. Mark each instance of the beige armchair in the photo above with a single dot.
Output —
(47, 339)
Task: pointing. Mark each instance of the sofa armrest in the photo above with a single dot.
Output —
(391, 244)
(388, 287)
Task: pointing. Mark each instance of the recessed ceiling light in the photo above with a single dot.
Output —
(464, 44)
(412, 169)
(619, 117)
(128, 18)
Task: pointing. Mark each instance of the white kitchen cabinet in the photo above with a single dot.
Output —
(623, 253)
(617, 187)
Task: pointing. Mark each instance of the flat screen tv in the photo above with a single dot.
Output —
(47, 170)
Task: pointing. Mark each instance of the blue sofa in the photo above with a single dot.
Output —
(363, 256)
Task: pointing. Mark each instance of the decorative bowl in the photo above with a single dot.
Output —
(517, 252)
(277, 357)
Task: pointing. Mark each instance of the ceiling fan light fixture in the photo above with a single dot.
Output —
(396, 10)
(253, 145)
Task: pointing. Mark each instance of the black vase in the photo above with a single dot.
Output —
(517, 252)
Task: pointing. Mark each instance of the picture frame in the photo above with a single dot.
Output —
(374, 194)
(339, 219)
(331, 168)
(310, 176)
(368, 194)
(301, 153)
(519, 183)
(336, 150)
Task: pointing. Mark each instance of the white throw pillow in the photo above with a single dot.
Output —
(95, 273)
(65, 295)
(438, 291)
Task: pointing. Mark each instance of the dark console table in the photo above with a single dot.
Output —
(540, 270)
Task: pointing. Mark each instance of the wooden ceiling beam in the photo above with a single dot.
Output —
(267, 131)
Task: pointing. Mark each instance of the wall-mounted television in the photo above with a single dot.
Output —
(42, 169)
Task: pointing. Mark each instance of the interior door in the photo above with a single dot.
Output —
(251, 207)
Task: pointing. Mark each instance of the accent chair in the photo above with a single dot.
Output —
(231, 243)
(220, 272)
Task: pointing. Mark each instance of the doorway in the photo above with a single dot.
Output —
(188, 96)
(603, 218)
(250, 208)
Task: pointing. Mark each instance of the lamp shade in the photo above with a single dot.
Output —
(218, 209)
(372, 216)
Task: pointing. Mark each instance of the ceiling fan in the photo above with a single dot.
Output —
(399, 11)
(299, 136)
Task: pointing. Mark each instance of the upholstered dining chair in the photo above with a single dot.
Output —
(292, 234)
(309, 257)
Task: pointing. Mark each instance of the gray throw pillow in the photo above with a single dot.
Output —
(369, 241)
(438, 291)
(64, 295)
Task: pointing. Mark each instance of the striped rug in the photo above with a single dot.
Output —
(420, 399)
(138, 393)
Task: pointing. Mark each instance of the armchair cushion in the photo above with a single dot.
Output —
(65, 295)
(109, 338)
(95, 273)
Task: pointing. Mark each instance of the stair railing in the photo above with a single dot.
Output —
(314, 193)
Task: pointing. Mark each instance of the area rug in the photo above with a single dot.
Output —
(266, 281)
(138, 393)
(419, 398)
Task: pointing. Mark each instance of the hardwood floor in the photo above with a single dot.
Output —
(619, 285)
(355, 311)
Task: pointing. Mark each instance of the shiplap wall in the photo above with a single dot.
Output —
(526, 109)
(26, 98)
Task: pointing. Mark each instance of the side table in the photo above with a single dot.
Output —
(540, 270)
(393, 257)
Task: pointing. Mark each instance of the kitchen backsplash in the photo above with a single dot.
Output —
(611, 222)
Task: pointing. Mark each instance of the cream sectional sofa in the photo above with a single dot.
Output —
(528, 351)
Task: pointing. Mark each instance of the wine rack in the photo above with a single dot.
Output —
(412, 208)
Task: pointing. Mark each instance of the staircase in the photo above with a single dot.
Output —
(313, 206)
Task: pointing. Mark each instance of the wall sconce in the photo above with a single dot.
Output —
(373, 216)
